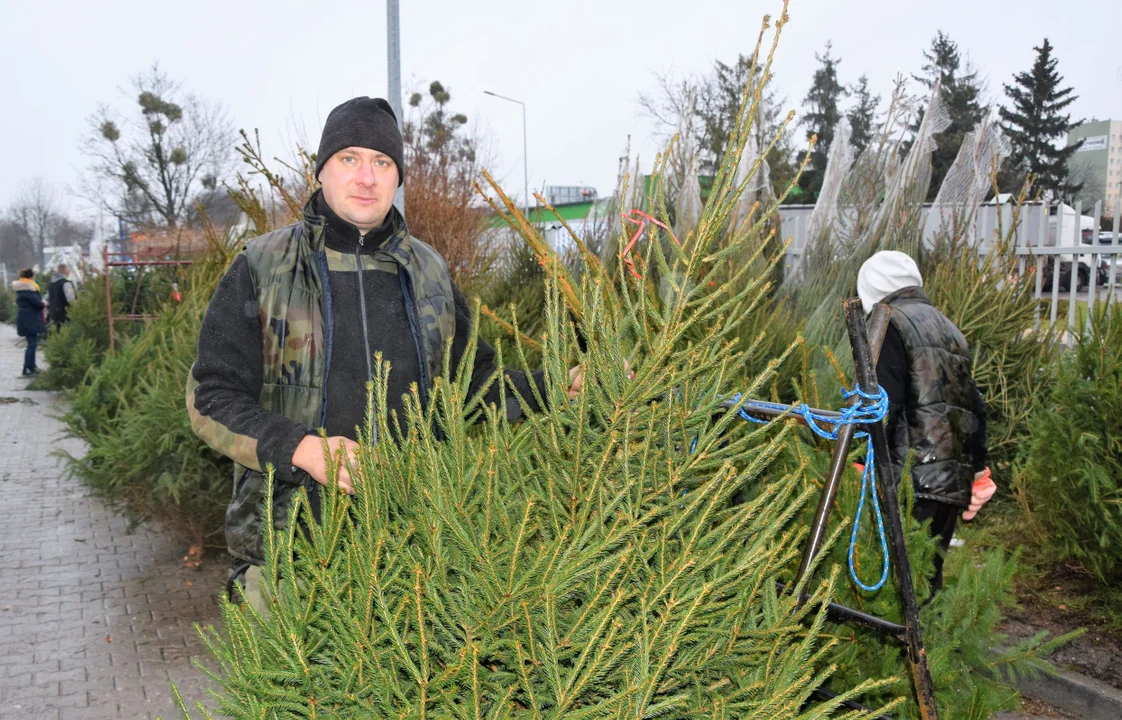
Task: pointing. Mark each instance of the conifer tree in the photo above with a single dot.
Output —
(718, 104)
(961, 93)
(863, 115)
(614, 557)
(585, 563)
(1034, 121)
(823, 102)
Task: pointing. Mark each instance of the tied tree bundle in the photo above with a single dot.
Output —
(588, 562)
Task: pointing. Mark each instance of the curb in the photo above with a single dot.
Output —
(1075, 693)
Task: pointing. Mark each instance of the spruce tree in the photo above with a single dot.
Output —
(823, 102)
(718, 104)
(588, 562)
(863, 115)
(1034, 122)
(961, 91)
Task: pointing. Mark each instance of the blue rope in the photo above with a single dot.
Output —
(872, 408)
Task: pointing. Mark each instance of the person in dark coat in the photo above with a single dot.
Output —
(29, 316)
(936, 415)
(60, 296)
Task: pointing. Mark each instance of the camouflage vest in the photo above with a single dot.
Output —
(289, 270)
(940, 416)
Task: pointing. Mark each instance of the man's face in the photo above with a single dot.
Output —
(359, 184)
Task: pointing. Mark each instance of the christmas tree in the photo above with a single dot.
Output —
(960, 90)
(1034, 122)
(822, 118)
(588, 562)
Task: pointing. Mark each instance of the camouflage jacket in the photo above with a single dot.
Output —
(938, 421)
(256, 421)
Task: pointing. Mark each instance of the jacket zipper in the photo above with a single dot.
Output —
(415, 327)
(328, 313)
(365, 323)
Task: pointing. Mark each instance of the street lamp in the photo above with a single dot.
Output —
(525, 161)
(393, 84)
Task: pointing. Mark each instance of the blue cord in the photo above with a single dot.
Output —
(872, 409)
(869, 478)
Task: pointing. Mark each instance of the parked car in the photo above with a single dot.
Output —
(1106, 238)
(1101, 263)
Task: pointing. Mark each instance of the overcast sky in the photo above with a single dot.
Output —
(281, 65)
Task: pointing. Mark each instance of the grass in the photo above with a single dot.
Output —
(1056, 590)
(1062, 309)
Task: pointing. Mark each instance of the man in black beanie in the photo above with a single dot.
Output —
(288, 340)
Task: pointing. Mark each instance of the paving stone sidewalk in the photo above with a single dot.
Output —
(94, 619)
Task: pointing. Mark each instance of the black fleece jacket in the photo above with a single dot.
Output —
(229, 364)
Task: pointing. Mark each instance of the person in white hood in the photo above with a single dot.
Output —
(936, 414)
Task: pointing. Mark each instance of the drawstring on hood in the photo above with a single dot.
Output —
(883, 274)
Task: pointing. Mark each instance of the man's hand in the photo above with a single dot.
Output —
(576, 378)
(576, 381)
(309, 457)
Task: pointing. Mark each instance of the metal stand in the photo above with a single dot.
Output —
(866, 348)
(141, 266)
(866, 345)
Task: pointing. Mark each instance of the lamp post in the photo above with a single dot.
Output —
(393, 73)
(525, 161)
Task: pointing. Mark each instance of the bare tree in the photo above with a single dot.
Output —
(15, 248)
(35, 217)
(666, 105)
(1090, 181)
(150, 162)
(443, 158)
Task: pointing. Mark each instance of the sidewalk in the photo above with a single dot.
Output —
(94, 619)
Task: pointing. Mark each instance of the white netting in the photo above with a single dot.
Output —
(606, 212)
(969, 180)
(823, 223)
(683, 168)
(758, 188)
(687, 206)
(837, 169)
(865, 188)
(636, 190)
(630, 193)
(894, 222)
(862, 193)
(897, 223)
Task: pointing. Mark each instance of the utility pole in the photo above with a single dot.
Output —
(393, 84)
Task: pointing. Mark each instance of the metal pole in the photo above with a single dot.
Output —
(108, 299)
(1073, 276)
(525, 163)
(525, 153)
(393, 81)
(878, 325)
(887, 479)
(1115, 259)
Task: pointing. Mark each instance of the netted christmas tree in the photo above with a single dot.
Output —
(587, 562)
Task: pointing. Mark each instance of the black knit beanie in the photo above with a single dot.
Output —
(362, 122)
